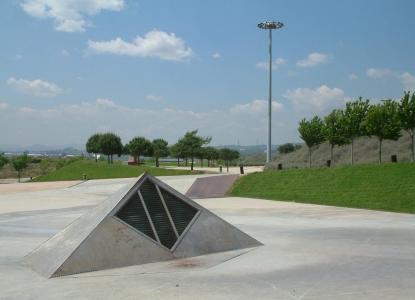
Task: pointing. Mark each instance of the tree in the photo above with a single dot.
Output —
(160, 149)
(177, 151)
(20, 163)
(211, 154)
(3, 160)
(334, 130)
(286, 148)
(312, 133)
(354, 118)
(383, 122)
(110, 144)
(228, 155)
(93, 145)
(139, 146)
(407, 117)
(192, 144)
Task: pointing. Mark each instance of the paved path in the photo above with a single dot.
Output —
(211, 187)
(309, 252)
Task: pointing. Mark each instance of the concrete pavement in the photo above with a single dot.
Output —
(310, 252)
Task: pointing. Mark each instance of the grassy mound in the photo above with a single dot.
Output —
(102, 170)
(389, 187)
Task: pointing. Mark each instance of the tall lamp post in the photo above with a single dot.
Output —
(270, 25)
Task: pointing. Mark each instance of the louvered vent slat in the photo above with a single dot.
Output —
(133, 213)
(181, 212)
(158, 214)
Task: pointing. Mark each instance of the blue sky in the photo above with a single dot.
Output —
(159, 68)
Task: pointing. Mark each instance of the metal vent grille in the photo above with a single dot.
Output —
(181, 212)
(133, 214)
(157, 213)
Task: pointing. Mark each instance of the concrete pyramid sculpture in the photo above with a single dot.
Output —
(148, 221)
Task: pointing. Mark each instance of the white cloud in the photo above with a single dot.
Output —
(105, 102)
(37, 87)
(378, 73)
(65, 52)
(3, 105)
(313, 60)
(216, 55)
(275, 64)
(255, 107)
(408, 81)
(155, 98)
(155, 43)
(69, 15)
(316, 101)
(353, 76)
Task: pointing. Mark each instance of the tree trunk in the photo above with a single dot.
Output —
(137, 159)
(157, 162)
(309, 157)
(178, 161)
(351, 152)
(227, 166)
(201, 162)
(331, 154)
(191, 166)
(96, 157)
(186, 162)
(413, 147)
(380, 151)
(108, 159)
(18, 176)
(111, 158)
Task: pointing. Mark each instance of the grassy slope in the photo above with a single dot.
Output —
(365, 152)
(102, 170)
(388, 187)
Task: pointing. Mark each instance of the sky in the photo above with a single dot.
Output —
(154, 68)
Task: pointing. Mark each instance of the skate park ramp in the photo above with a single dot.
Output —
(146, 221)
(211, 187)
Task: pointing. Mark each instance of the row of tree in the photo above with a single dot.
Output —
(385, 120)
(189, 147)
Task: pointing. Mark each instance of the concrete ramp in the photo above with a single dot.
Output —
(147, 221)
(211, 187)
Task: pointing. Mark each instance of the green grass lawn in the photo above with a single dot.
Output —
(389, 187)
(102, 170)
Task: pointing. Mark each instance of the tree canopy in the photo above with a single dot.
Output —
(160, 149)
(407, 117)
(312, 133)
(383, 122)
(110, 144)
(139, 146)
(191, 143)
(334, 130)
(93, 145)
(3, 160)
(354, 117)
(20, 163)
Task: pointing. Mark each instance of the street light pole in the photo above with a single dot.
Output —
(270, 26)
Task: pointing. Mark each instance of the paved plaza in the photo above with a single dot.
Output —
(309, 252)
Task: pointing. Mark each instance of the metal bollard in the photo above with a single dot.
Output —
(279, 167)
(394, 158)
(328, 163)
(84, 176)
(220, 169)
(241, 169)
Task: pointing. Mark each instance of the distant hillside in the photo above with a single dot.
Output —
(365, 151)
